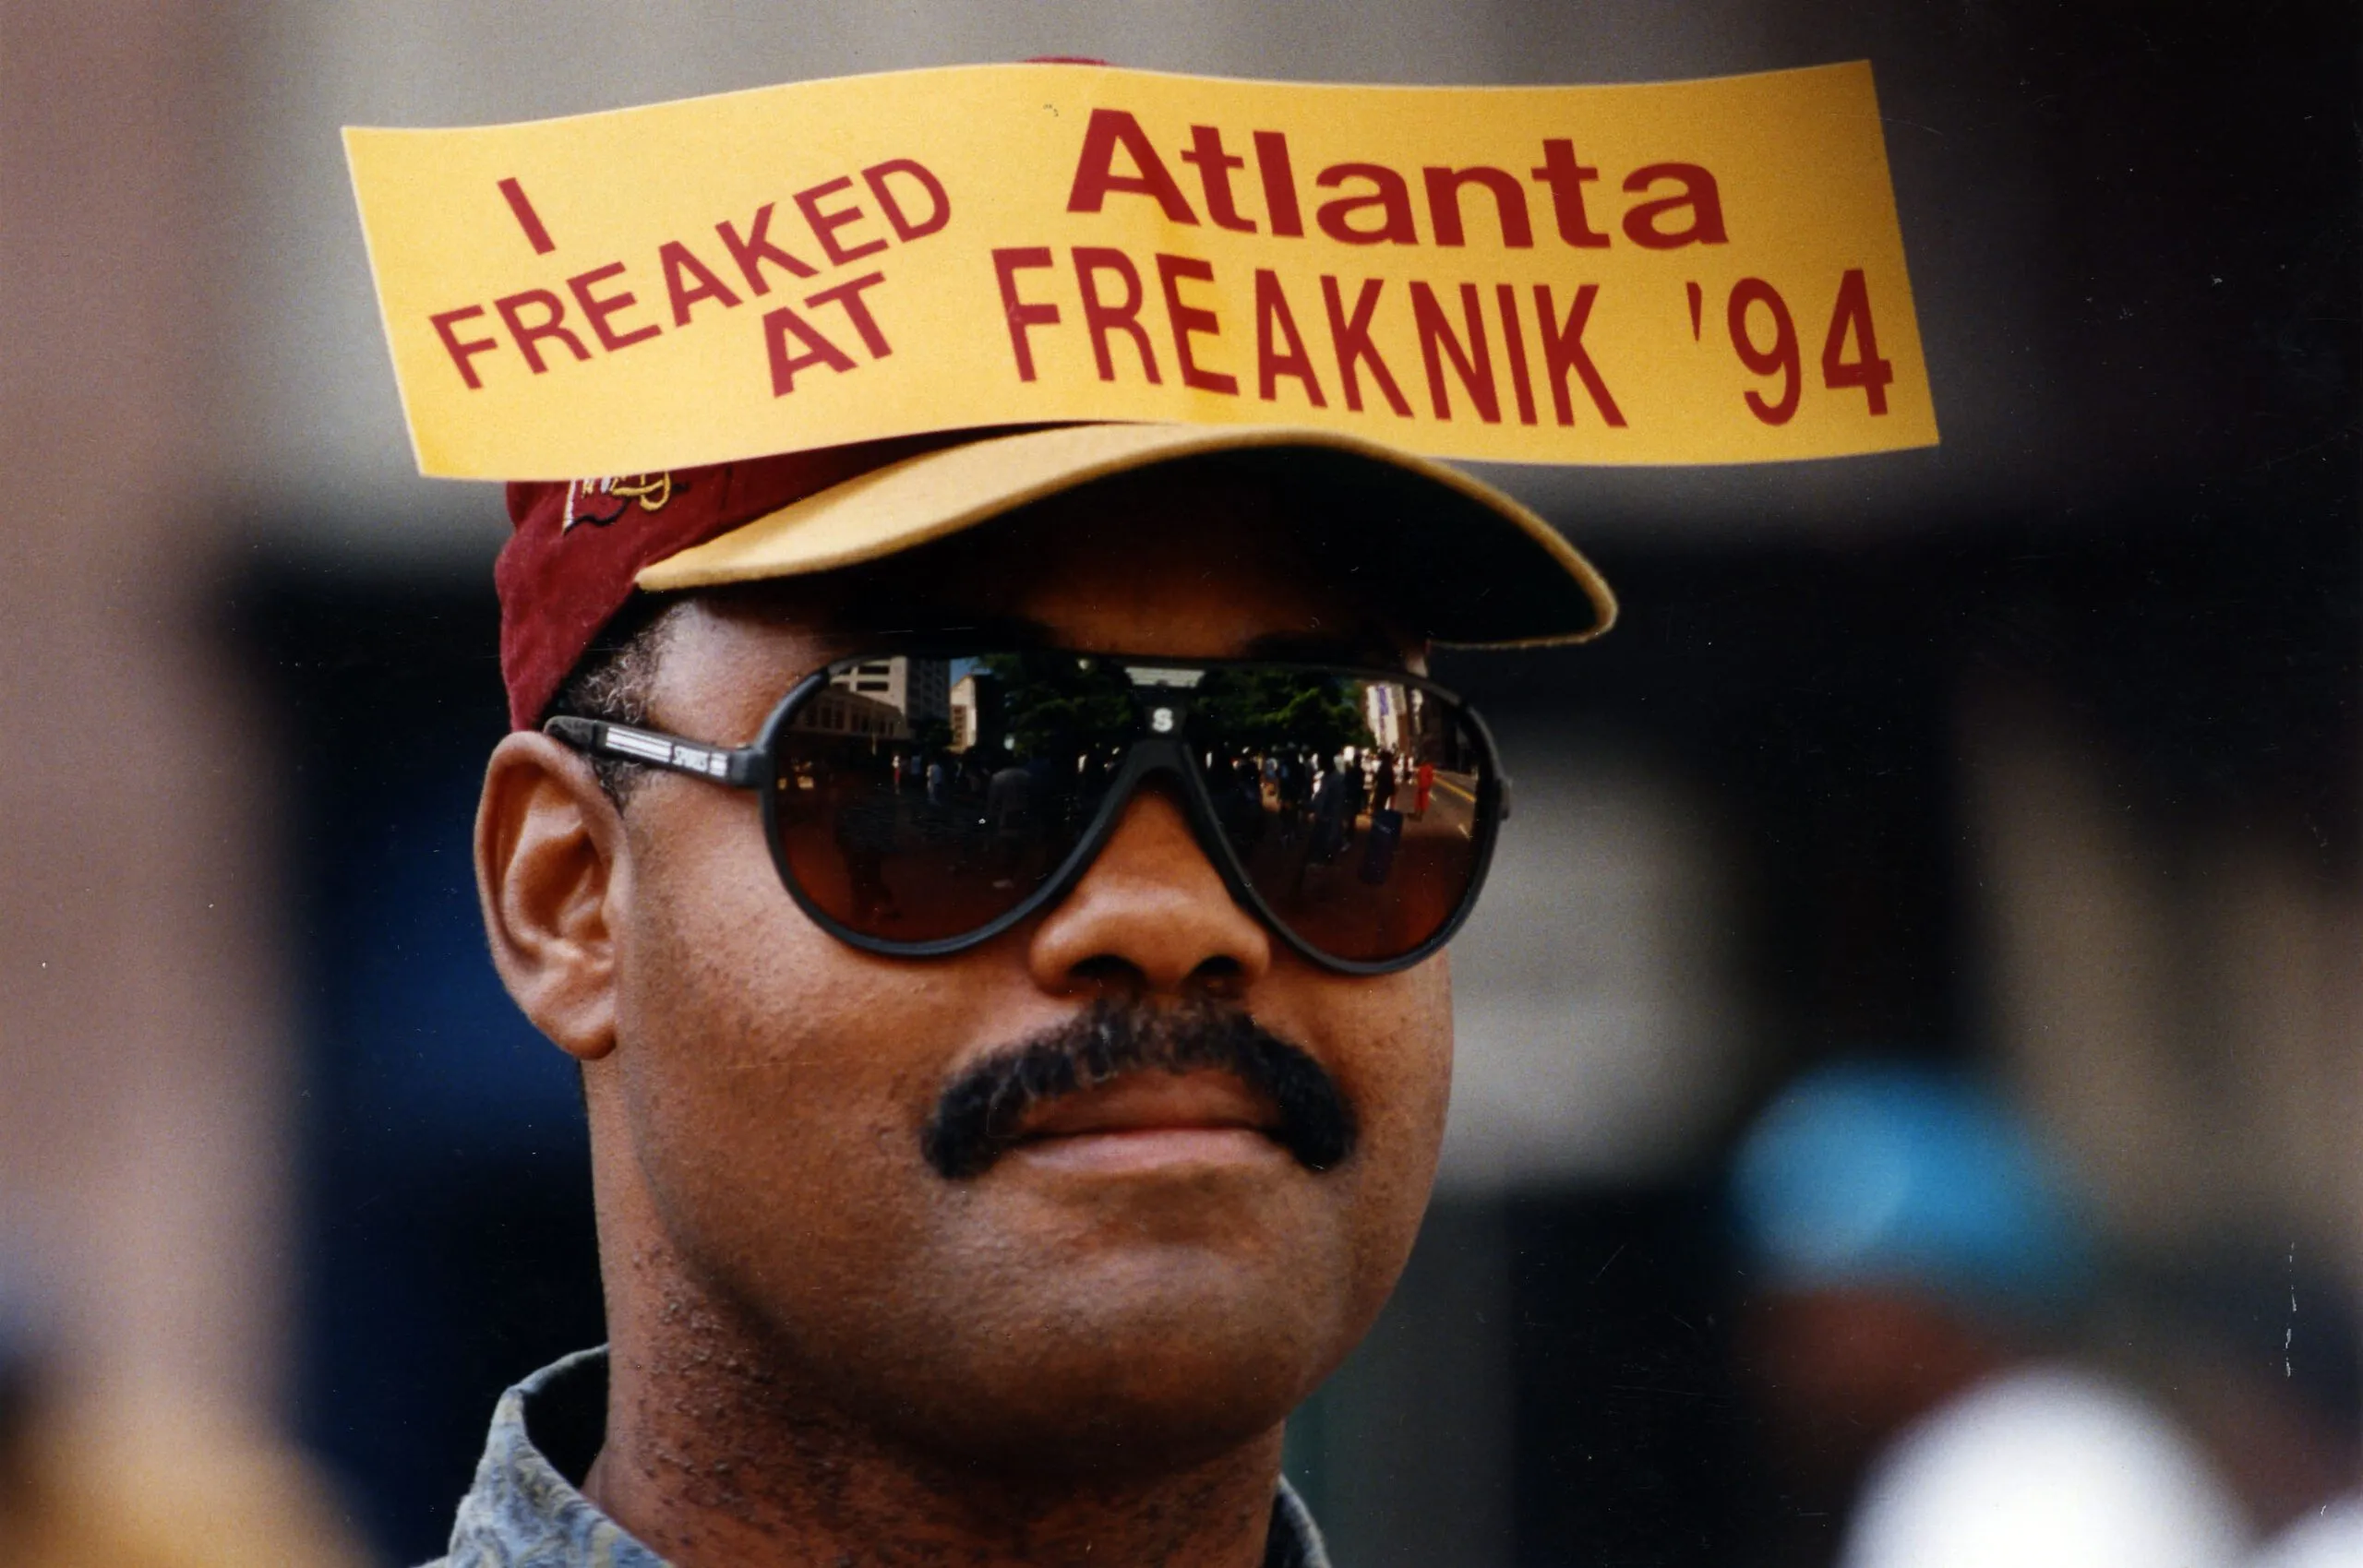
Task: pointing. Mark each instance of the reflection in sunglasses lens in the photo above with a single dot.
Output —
(922, 799)
(1350, 802)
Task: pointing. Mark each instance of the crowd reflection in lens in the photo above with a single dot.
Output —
(922, 798)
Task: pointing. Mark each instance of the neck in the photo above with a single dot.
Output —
(717, 1451)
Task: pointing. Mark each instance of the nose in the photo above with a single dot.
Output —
(1151, 916)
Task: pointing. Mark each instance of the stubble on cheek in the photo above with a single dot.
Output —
(767, 1073)
(1398, 1070)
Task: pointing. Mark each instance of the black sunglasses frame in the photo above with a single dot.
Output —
(756, 768)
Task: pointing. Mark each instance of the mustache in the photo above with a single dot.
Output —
(977, 1116)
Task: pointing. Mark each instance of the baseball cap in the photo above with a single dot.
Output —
(1449, 555)
(1867, 1173)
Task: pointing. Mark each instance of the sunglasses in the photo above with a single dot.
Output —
(918, 806)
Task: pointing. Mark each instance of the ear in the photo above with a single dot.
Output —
(552, 868)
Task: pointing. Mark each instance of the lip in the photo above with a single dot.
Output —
(1153, 1121)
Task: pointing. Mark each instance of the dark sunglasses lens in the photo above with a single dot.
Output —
(1351, 802)
(919, 800)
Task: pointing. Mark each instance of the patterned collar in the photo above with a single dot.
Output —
(524, 1511)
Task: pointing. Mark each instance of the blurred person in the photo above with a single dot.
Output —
(1336, 802)
(1009, 810)
(2331, 1537)
(22, 1360)
(1916, 1263)
(161, 1486)
(1294, 789)
(2269, 1388)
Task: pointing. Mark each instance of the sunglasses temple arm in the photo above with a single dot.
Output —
(739, 769)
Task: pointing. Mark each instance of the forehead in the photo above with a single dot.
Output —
(1201, 565)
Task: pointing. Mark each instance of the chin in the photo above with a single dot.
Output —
(1130, 1405)
(1146, 1368)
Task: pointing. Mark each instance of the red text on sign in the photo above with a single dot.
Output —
(1679, 204)
(839, 221)
(1472, 343)
(1850, 318)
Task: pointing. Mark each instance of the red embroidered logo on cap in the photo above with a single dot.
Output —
(601, 501)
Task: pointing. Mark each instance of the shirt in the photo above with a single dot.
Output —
(525, 1510)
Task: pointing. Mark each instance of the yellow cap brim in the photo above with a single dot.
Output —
(1499, 577)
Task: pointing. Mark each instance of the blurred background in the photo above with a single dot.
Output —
(1924, 968)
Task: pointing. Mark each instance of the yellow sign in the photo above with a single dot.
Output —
(1682, 272)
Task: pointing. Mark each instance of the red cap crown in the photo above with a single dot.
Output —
(578, 546)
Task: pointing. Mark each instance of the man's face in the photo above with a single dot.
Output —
(1148, 1278)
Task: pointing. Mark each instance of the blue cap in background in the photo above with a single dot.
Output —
(1888, 1174)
